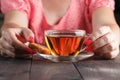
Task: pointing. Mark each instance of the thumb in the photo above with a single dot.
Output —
(28, 34)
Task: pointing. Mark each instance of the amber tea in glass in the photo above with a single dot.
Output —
(64, 42)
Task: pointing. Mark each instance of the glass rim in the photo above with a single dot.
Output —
(77, 32)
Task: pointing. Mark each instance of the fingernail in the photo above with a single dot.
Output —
(30, 51)
(89, 48)
(31, 39)
(87, 42)
(34, 51)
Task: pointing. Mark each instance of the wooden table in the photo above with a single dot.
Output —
(90, 69)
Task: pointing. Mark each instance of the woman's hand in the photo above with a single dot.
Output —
(13, 39)
(105, 43)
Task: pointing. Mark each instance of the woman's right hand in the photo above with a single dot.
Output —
(12, 41)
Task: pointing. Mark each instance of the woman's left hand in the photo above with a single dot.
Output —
(105, 43)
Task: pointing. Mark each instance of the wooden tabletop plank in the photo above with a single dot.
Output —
(42, 70)
(99, 69)
(14, 69)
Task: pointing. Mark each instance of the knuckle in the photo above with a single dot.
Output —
(7, 53)
(109, 37)
(104, 29)
(108, 54)
(109, 47)
(114, 53)
(93, 38)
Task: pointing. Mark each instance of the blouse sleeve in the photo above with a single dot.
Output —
(94, 4)
(21, 5)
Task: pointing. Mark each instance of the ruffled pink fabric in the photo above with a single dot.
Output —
(78, 16)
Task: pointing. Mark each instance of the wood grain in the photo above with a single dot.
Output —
(91, 69)
(53, 71)
(99, 69)
(14, 69)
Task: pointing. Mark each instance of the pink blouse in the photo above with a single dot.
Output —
(78, 16)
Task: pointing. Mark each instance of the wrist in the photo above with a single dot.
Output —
(11, 25)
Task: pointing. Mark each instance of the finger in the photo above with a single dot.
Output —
(6, 36)
(7, 53)
(6, 45)
(107, 48)
(111, 54)
(17, 43)
(102, 31)
(114, 53)
(102, 41)
(28, 34)
(14, 40)
(22, 54)
(21, 38)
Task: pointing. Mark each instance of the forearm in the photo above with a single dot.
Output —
(101, 18)
(15, 19)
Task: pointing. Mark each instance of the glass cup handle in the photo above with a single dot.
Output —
(86, 45)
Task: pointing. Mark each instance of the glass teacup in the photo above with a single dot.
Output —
(66, 45)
